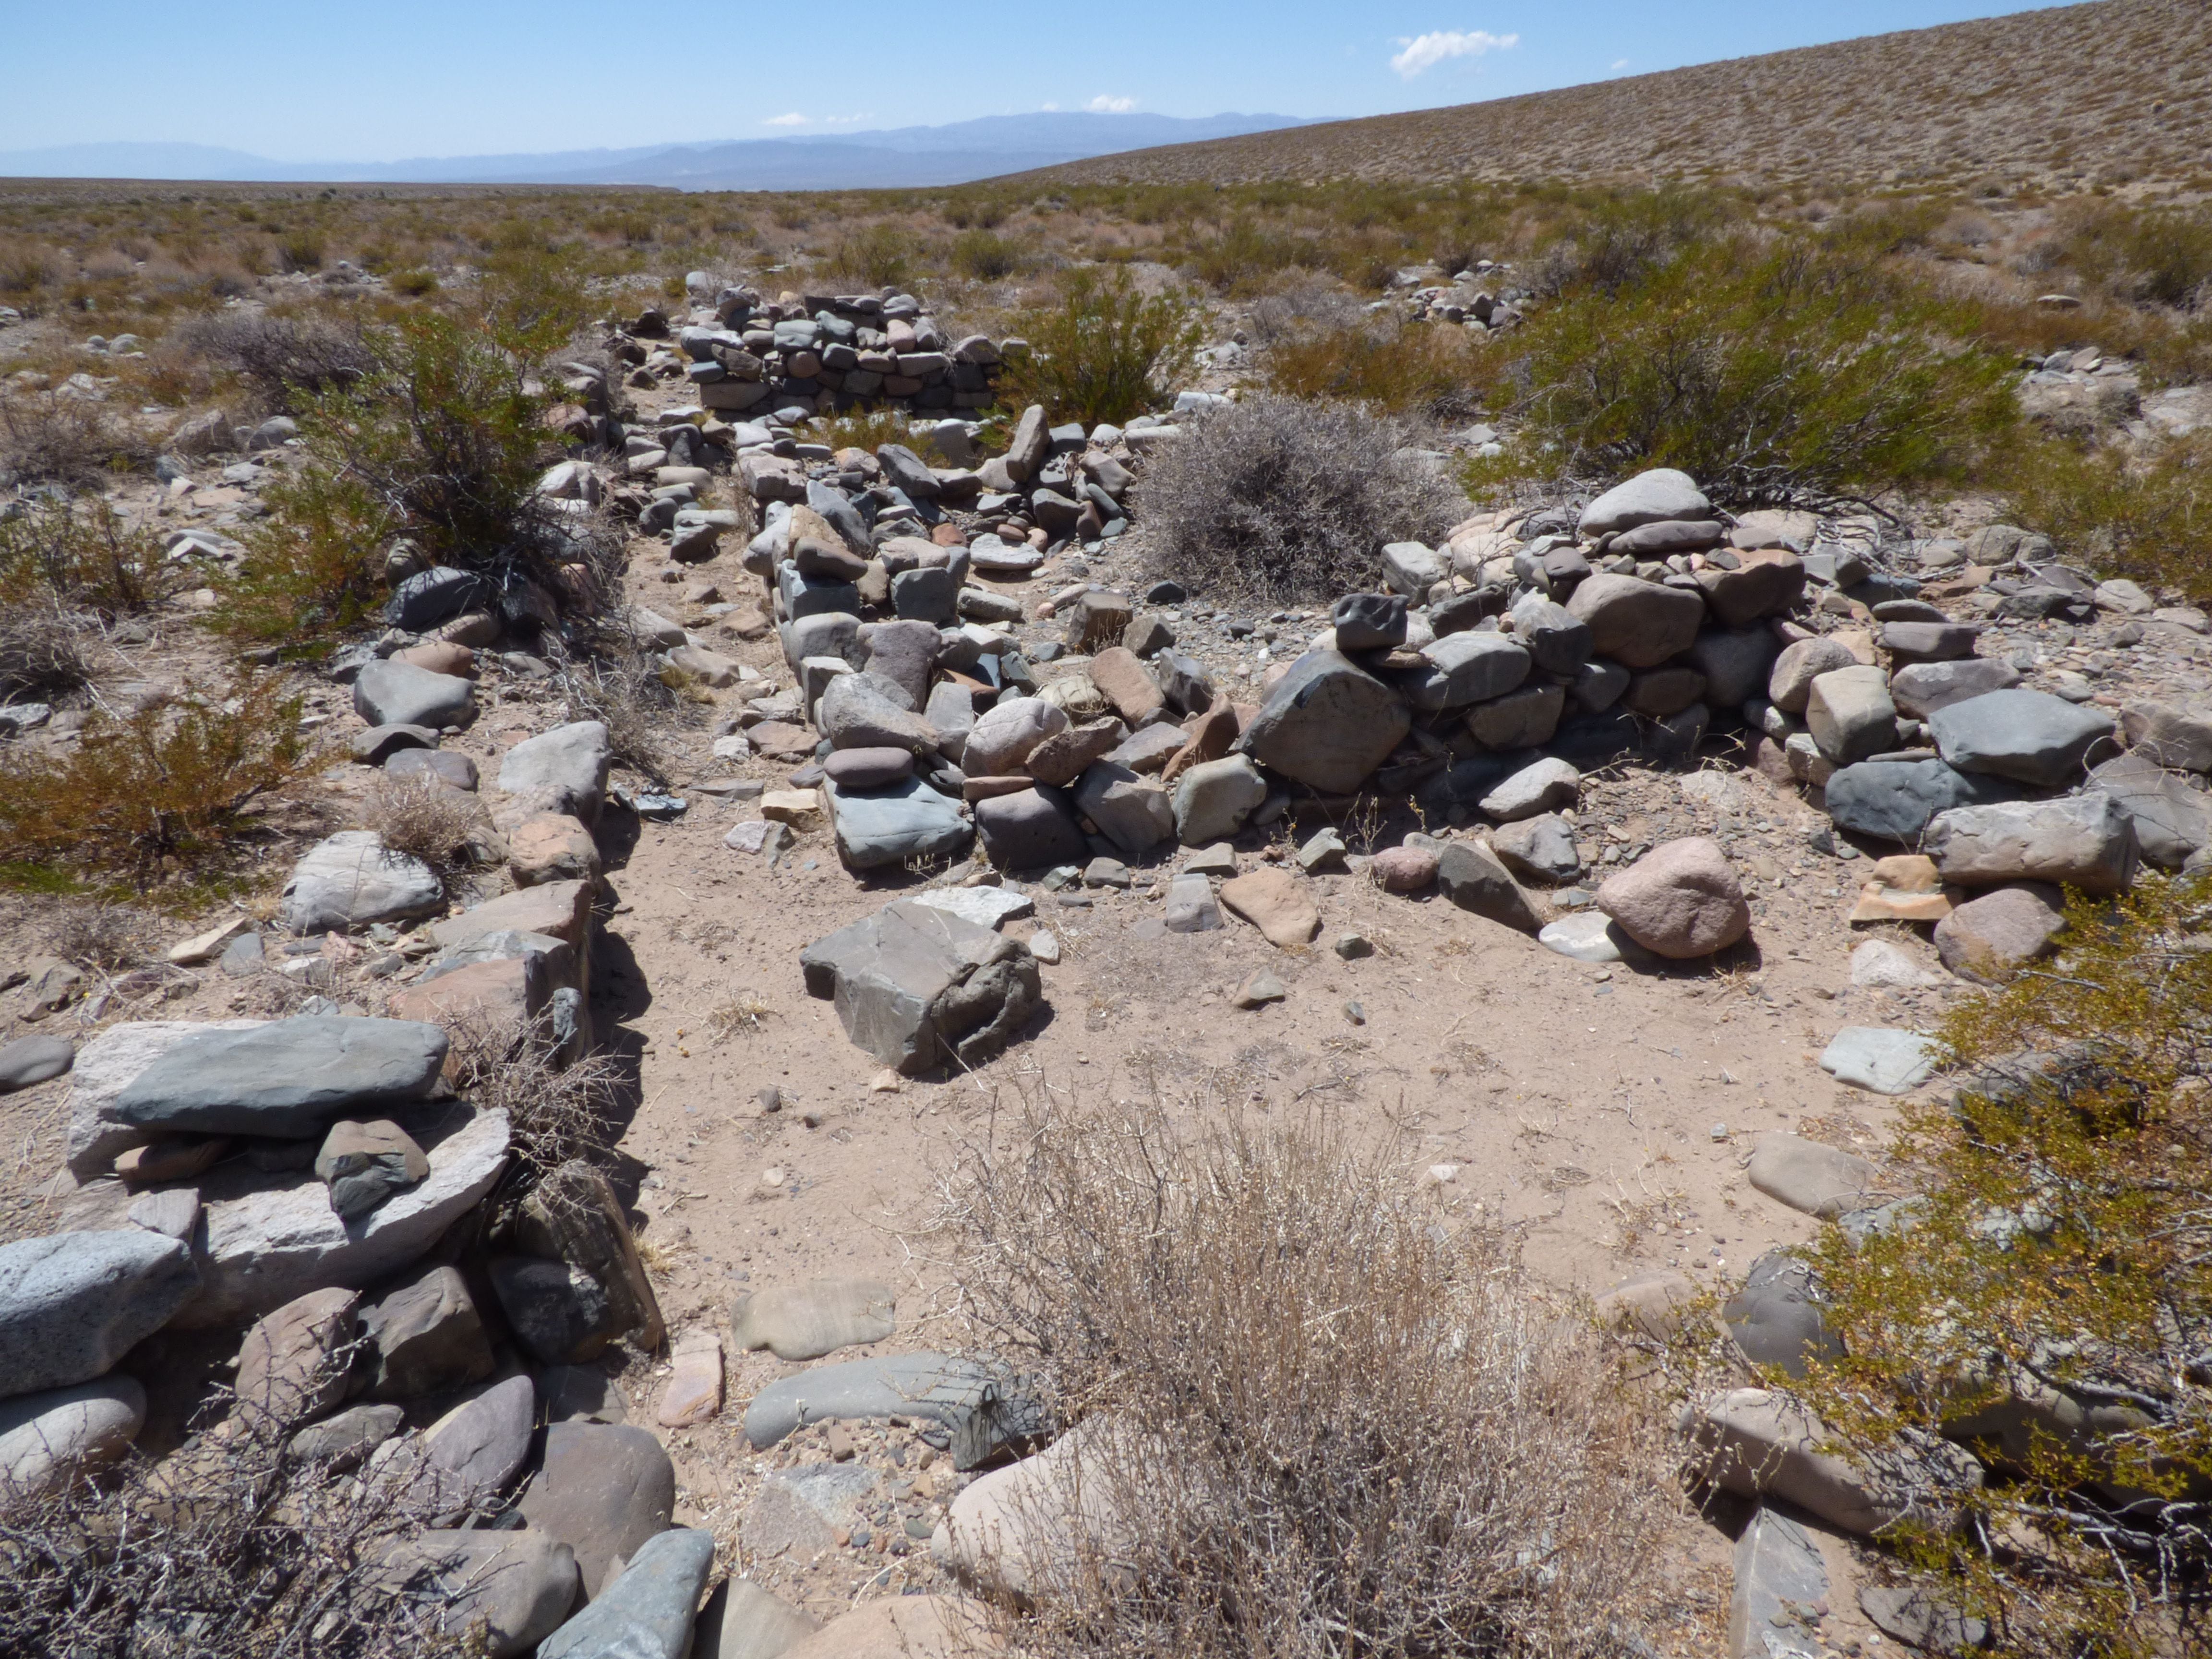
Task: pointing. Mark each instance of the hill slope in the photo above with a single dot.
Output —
(2116, 90)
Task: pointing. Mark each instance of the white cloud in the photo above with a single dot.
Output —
(793, 119)
(1103, 105)
(1424, 51)
(843, 120)
(1620, 63)
(1049, 109)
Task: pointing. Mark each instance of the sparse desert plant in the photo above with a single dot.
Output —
(162, 789)
(279, 357)
(81, 554)
(99, 935)
(1275, 498)
(560, 1105)
(1103, 351)
(2047, 1300)
(2143, 512)
(1416, 369)
(59, 437)
(1308, 1418)
(610, 677)
(877, 255)
(986, 257)
(426, 818)
(42, 648)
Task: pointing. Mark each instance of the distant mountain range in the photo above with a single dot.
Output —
(901, 158)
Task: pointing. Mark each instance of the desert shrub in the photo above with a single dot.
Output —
(1273, 498)
(57, 437)
(301, 250)
(876, 255)
(1102, 351)
(2162, 254)
(1346, 1428)
(163, 788)
(1783, 372)
(42, 649)
(868, 430)
(2144, 512)
(279, 358)
(414, 283)
(101, 935)
(985, 256)
(80, 554)
(2049, 1301)
(1246, 252)
(1405, 369)
(608, 675)
(424, 818)
(559, 1107)
(1617, 242)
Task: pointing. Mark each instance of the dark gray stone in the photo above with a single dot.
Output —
(432, 595)
(902, 820)
(603, 1489)
(515, 1584)
(1735, 662)
(1136, 814)
(342, 1441)
(351, 879)
(645, 1613)
(1326, 724)
(2028, 735)
(427, 1337)
(289, 1077)
(1638, 624)
(393, 693)
(1369, 622)
(912, 984)
(1775, 1318)
(2172, 820)
(981, 1408)
(1781, 1586)
(866, 711)
(33, 1060)
(1896, 801)
(1923, 688)
(1912, 643)
(560, 1313)
(71, 1304)
(1473, 877)
(928, 595)
(1911, 1614)
(1030, 830)
(1540, 849)
(377, 745)
(1557, 640)
(1463, 669)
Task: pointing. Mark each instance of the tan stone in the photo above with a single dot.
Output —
(1277, 903)
(496, 992)
(290, 1367)
(799, 808)
(561, 910)
(441, 657)
(694, 1390)
(174, 1158)
(1904, 887)
(551, 847)
(1128, 685)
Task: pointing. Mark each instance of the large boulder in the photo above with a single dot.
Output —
(1896, 801)
(1638, 624)
(109, 1063)
(1921, 688)
(1764, 583)
(2030, 736)
(288, 1078)
(1326, 724)
(915, 985)
(1680, 900)
(350, 880)
(1990, 938)
(71, 1304)
(389, 692)
(1003, 736)
(46, 1437)
(2085, 841)
(2173, 821)
(563, 770)
(293, 1365)
(267, 1238)
(905, 820)
(1649, 497)
(603, 1489)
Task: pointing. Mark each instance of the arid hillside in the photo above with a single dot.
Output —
(2110, 93)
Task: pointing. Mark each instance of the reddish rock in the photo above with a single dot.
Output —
(1403, 869)
(1680, 900)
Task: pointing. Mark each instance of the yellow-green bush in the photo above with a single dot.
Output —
(2143, 512)
(1103, 351)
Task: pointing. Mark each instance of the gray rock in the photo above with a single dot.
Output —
(987, 906)
(1775, 1318)
(645, 1613)
(1649, 497)
(1520, 719)
(1540, 849)
(1030, 830)
(868, 769)
(110, 1062)
(288, 1078)
(467, 1456)
(2086, 841)
(559, 1312)
(1736, 663)
(1544, 785)
(270, 1238)
(1591, 936)
(2173, 821)
(1851, 716)
(1213, 798)
(1990, 938)
(977, 1405)
(603, 1489)
(448, 766)
(1191, 907)
(1134, 813)
(2170, 735)
(33, 1060)
(1760, 1443)
(904, 652)
(866, 711)
(1473, 879)
(379, 743)
(350, 880)
(565, 769)
(426, 1337)
(389, 692)
(1800, 662)
(950, 712)
(1921, 689)
(906, 820)
(2028, 735)
(580, 1393)
(430, 597)
(1876, 1057)
(1558, 642)
(1005, 736)
(1818, 1180)
(72, 1304)
(911, 984)
(1779, 1580)
(1412, 568)
(744, 1621)
(46, 1437)
(517, 1584)
(1910, 643)
(344, 1440)
(1763, 584)
(1326, 724)
(1896, 801)
(1638, 624)
(1913, 1613)
(806, 1322)
(1369, 622)
(930, 595)
(1664, 536)
(1463, 669)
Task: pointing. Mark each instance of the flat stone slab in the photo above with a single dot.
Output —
(987, 906)
(33, 1060)
(2030, 736)
(804, 1322)
(350, 879)
(72, 1304)
(905, 820)
(1815, 1179)
(1588, 936)
(966, 1399)
(1779, 1579)
(645, 1613)
(1884, 1061)
(106, 1065)
(603, 1489)
(289, 1077)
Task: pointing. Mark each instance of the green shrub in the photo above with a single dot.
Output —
(1782, 373)
(51, 437)
(162, 790)
(1420, 368)
(415, 284)
(79, 554)
(874, 255)
(1105, 351)
(2049, 1301)
(2144, 512)
(985, 256)
(2163, 255)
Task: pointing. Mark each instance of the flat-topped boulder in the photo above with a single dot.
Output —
(1328, 724)
(389, 692)
(289, 1077)
(563, 770)
(351, 879)
(913, 985)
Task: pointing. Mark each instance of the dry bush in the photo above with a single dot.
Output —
(277, 357)
(425, 818)
(41, 650)
(81, 554)
(610, 677)
(236, 1552)
(1275, 498)
(100, 936)
(1403, 369)
(2144, 512)
(1346, 1428)
(560, 1106)
(51, 437)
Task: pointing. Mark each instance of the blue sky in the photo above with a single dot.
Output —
(394, 78)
